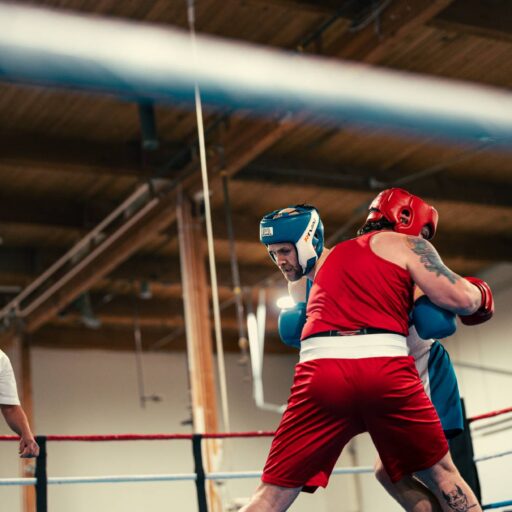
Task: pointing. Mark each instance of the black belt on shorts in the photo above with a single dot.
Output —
(356, 332)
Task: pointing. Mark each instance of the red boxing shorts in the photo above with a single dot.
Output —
(332, 400)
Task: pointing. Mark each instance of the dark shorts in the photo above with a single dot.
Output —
(332, 400)
(444, 391)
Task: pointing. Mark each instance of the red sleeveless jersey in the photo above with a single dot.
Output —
(355, 288)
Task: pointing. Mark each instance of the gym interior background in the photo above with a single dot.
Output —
(103, 349)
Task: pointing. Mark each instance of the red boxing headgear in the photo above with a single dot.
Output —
(408, 213)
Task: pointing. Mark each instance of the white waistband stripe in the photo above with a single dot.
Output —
(353, 347)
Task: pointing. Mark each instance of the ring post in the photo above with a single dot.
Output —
(41, 477)
(199, 469)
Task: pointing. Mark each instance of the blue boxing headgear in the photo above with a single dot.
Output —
(299, 225)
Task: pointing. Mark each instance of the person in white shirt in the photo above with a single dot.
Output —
(13, 412)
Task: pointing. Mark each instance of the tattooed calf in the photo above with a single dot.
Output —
(430, 259)
(457, 500)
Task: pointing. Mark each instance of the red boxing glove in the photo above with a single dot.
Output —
(486, 309)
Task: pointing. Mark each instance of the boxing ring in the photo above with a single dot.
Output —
(163, 66)
(200, 476)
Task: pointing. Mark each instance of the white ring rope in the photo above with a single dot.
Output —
(108, 479)
(226, 475)
(219, 475)
(209, 231)
(493, 456)
(135, 60)
(17, 481)
(231, 475)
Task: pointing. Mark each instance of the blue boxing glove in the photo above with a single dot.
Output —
(290, 324)
(431, 321)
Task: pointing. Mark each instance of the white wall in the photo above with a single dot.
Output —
(94, 392)
(81, 392)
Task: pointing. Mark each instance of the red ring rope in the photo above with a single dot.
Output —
(221, 435)
(146, 437)
(490, 414)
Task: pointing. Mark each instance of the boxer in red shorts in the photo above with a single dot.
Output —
(354, 373)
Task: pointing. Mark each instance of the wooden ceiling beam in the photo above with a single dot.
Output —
(163, 271)
(130, 305)
(491, 19)
(75, 214)
(20, 265)
(241, 141)
(166, 270)
(106, 338)
(354, 10)
(314, 6)
(440, 186)
(42, 152)
(242, 146)
(121, 320)
(125, 319)
(37, 151)
(245, 148)
(120, 246)
(366, 45)
(475, 246)
(397, 20)
(121, 310)
(79, 216)
(121, 339)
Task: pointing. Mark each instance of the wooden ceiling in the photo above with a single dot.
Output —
(68, 158)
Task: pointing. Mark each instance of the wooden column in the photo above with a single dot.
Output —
(28, 465)
(199, 338)
(18, 350)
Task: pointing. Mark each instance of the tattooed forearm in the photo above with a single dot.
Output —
(430, 259)
(457, 500)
